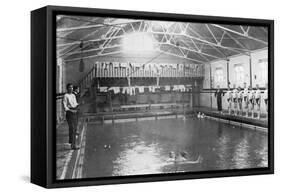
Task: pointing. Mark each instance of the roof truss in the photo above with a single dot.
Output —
(176, 37)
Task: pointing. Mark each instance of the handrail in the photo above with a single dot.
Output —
(108, 70)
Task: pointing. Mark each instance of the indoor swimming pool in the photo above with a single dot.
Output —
(171, 145)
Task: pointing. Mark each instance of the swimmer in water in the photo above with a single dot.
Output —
(182, 157)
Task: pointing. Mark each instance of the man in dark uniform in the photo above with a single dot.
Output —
(218, 94)
(76, 92)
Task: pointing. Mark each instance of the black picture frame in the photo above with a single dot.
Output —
(43, 108)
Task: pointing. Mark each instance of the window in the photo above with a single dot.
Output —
(219, 75)
(263, 66)
(239, 72)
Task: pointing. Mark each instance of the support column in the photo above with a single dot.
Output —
(227, 72)
(191, 97)
(250, 64)
(60, 88)
(110, 101)
(194, 94)
(93, 94)
(211, 86)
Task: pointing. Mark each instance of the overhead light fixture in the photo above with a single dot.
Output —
(81, 45)
(137, 42)
(81, 64)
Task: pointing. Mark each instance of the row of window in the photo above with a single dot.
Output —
(239, 72)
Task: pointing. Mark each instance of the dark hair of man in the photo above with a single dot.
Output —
(75, 88)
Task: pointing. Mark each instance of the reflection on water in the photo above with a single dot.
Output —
(139, 159)
(241, 154)
(171, 145)
(222, 149)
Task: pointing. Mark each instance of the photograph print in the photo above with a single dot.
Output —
(146, 97)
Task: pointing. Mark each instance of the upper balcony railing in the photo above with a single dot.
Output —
(138, 70)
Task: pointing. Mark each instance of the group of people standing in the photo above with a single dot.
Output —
(240, 100)
(71, 107)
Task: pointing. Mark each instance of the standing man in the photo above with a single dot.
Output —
(246, 99)
(252, 100)
(229, 99)
(235, 99)
(265, 96)
(258, 101)
(219, 93)
(76, 92)
(71, 106)
(240, 100)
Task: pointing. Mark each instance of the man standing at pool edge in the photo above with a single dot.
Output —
(70, 106)
(219, 94)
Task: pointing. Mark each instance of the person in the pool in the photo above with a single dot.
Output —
(182, 157)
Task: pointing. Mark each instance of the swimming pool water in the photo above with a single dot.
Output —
(171, 145)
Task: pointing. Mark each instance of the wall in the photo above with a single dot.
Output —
(102, 101)
(60, 88)
(208, 99)
(256, 69)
